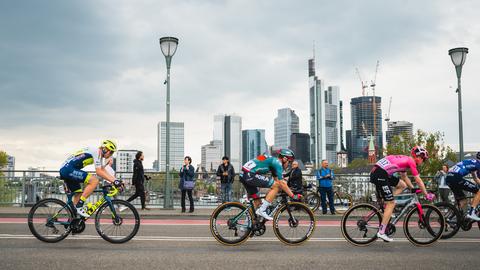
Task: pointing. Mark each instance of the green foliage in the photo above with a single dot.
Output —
(211, 189)
(358, 163)
(6, 192)
(438, 152)
(3, 159)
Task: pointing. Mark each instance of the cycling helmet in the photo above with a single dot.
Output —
(109, 145)
(478, 155)
(285, 152)
(419, 151)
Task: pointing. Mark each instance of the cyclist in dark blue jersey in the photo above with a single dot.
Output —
(253, 176)
(73, 176)
(457, 183)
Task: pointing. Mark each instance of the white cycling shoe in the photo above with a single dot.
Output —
(473, 216)
(263, 214)
(82, 211)
(384, 237)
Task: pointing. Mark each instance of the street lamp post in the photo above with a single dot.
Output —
(168, 46)
(458, 56)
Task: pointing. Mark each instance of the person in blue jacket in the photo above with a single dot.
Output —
(325, 177)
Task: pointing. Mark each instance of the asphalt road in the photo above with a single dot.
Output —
(179, 244)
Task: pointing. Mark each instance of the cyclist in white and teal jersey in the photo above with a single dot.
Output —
(73, 176)
(253, 176)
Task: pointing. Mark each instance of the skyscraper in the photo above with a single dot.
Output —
(228, 129)
(212, 155)
(253, 144)
(10, 167)
(363, 119)
(300, 145)
(399, 128)
(177, 145)
(286, 123)
(324, 119)
(124, 160)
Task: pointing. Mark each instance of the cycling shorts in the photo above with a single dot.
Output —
(252, 181)
(74, 177)
(458, 184)
(383, 183)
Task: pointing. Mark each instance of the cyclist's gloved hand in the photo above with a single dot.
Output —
(118, 184)
(430, 197)
(297, 196)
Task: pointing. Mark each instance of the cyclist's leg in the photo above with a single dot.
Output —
(454, 182)
(252, 191)
(91, 183)
(72, 179)
(380, 178)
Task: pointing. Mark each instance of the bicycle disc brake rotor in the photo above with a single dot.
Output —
(293, 222)
(117, 221)
(362, 225)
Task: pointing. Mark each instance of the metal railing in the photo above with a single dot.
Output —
(25, 188)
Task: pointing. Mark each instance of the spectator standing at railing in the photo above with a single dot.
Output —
(295, 179)
(325, 178)
(187, 182)
(227, 174)
(443, 189)
(138, 179)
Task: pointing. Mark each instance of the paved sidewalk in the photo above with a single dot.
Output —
(157, 213)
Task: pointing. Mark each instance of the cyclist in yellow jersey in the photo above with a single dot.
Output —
(73, 176)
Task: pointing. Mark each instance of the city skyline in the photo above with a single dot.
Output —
(80, 76)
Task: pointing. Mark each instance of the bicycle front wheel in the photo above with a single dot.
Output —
(342, 202)
(313, 201)
(423, 228)
(231, 223)
(452, 219)
(294, 223)
(117, 222)
(360, 224)
(49, 220)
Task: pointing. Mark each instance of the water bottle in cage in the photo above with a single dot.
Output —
(373, 197)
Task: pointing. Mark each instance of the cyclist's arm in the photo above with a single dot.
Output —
(100, 171)
(284, 186)
(475, 177)
(420, 184)
(404, 177)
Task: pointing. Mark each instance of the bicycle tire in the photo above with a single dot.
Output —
(362, 224)
(223, 208)
(33, 216)
(345, 199)
(313, 201)
(117, 221)
(427, 213)
(311, 223)
(452, 219)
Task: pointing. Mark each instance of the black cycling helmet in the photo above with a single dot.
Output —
(285, 152)
(478, 155)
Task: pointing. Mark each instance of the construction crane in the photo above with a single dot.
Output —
(361, 81)
(374, 102)
(387, 116)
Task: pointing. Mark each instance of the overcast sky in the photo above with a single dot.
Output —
(75, 72)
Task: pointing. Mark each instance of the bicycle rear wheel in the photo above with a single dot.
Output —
(452, 219)
(423, 229)
(231, 223)
(342, 202)
(360, 224)
(313, 201)
(49, 220)
(294, 223)
(117, 225)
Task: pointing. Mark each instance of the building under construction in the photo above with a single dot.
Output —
(366, 121)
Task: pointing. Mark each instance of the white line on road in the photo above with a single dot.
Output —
(210, 239)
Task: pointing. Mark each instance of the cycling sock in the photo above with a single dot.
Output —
(265, 205)
(81, 202)
(382, 228)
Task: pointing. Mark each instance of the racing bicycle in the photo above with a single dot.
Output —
(423, 224)
(455, 218)
(342, 200)
(232, 223)
(52, 220)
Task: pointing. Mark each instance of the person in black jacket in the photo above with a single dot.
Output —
(187, 182)
(227, 174)
(138, 180)
(295, 179)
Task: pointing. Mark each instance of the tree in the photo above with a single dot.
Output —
(3, 160)
(358, 163)
(5, 191)
(438, 152)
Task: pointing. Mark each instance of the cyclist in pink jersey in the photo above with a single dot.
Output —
(382, 175)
